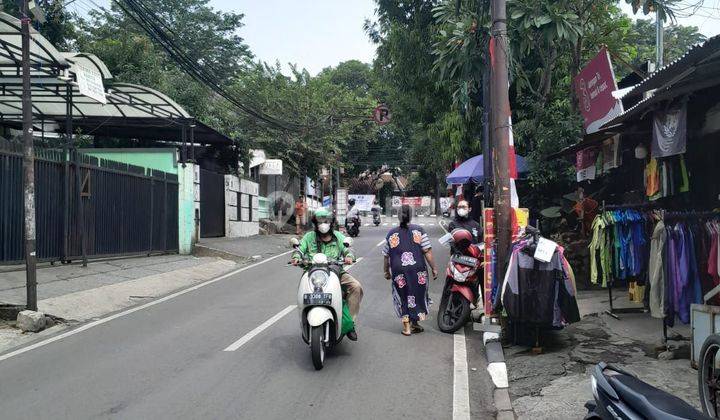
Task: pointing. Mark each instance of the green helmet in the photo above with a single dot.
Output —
(322, 212)
(323, 215)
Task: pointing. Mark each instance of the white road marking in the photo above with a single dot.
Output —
(431, 224)
(380, 243)
(366, 224)
(394, 224)
(132, 310)
(443, 227)
(422, 224)
(461, 388)
(385, 224)
(260, 328)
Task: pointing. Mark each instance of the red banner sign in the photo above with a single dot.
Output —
(411, 201)
(594, 86)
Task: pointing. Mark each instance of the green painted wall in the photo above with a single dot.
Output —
(161, 159)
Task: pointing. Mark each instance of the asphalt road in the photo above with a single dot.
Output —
(166, 360)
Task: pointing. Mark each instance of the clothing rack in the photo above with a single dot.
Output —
(613, 311)
(667, 215)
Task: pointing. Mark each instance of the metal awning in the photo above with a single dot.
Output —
(131, 111)
(44, 58)
(50, 98)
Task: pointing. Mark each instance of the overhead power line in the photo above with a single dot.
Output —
(161, 33)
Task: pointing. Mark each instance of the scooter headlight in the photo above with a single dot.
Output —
(319, 278)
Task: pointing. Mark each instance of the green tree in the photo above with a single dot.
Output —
(677, 40)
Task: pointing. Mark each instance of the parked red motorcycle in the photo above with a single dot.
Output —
(462, 283)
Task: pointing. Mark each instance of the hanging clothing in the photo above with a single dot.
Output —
(539, 292)
(677, 257)
(656, 272)
(652, 178)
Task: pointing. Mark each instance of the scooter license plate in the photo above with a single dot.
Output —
(317, 299)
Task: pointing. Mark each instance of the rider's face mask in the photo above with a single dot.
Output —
(462, 211)
(324, 227)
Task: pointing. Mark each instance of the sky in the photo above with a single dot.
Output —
(311, 33)
(706, 18)
(315, 34)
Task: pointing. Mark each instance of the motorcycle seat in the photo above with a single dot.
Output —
(652, 402)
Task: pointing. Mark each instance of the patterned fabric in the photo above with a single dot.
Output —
(405, 248)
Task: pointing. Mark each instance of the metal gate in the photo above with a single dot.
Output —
(212, 204)
(126, 209)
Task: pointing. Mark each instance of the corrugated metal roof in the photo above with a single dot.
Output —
(696, 53)
(695, 70)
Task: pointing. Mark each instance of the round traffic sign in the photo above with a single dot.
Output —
(381, 114)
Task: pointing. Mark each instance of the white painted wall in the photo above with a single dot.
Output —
(239, 225)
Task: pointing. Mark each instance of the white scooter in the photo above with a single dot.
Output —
(320, 303)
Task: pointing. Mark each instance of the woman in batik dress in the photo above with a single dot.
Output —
(406, 249)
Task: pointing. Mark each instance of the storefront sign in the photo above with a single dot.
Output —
(585, 164)
(90, 83)
(410, 201)
(669, 132)
(271, 167)
(258, 157)
(594, 86)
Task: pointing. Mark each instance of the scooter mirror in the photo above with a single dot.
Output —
(348, 242)
(294, 242)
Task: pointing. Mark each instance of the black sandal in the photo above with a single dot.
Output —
(416, 329)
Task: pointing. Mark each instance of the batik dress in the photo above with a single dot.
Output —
(408, 271)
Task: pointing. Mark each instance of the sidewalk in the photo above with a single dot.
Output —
(556, 383)
(240, 249)
(77, 294)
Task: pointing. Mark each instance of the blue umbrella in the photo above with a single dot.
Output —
(472, 170)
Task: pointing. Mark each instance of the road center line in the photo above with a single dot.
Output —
(131, 310)
(260, 328)
(461, 391)
(380, 243)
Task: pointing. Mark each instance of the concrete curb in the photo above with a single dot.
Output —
(207, 251)
(497, 369)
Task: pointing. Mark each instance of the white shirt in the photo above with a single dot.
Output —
(353, 213)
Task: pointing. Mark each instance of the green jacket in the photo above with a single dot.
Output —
(334, 249)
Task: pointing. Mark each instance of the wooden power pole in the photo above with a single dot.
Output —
(500, 119)
(28, 164)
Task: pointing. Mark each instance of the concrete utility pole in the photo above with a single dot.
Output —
(659, 40)
(28, 165)
(499, 114)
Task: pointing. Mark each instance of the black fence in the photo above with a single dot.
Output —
(126, 209)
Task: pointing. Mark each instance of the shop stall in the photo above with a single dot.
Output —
(653, 166)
